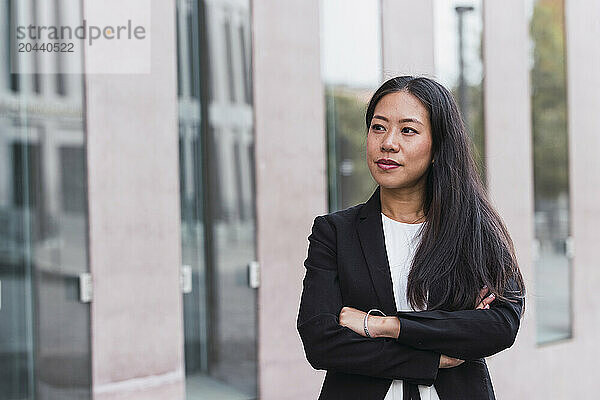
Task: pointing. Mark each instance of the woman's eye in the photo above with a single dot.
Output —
(377, 127)
(408, 130)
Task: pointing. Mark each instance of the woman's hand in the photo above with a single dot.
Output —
(353, 319)
(378, 326)
(449, 362)
(483, 304)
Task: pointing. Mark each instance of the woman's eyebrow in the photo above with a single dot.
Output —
(416, 121)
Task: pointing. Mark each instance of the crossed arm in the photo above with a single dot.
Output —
(465, 334)
(423, 335)
(391, 327)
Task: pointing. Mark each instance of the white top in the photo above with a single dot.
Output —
(401, 242)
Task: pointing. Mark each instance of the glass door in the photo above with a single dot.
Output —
(217, 199)
(44, 325)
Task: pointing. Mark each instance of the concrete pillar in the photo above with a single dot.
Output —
(510, 170)
(291, 183)
(559, 370)
(583, 63)
(407, 36)
(134, 220)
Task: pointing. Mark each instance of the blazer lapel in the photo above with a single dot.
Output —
(372, 241)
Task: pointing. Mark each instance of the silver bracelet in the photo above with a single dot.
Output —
(367, 317)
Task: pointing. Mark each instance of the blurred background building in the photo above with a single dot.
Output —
(153, 226)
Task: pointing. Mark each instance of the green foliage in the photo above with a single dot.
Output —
(475, 124)
(549, 100)
(346, 131)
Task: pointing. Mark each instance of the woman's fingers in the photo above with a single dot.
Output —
(484, 302)
(480, 297)
(449, 362)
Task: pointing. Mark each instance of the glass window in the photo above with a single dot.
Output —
(245, 64)
(217, 198)
(44, 327)
(459, 63)
(72, 178)
(553, 251)
(229, 61)
(351, 68)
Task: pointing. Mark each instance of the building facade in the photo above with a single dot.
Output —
(154, 224)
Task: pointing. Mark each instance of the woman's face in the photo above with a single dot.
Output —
(400, 131)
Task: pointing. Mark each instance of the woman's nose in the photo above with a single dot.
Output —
(390, 141)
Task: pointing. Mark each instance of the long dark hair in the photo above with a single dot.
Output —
(464, 243)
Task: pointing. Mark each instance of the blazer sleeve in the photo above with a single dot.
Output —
(464, 334)
(330, 346)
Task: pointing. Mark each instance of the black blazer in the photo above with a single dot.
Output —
(347, 265)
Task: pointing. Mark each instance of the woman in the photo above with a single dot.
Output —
(427, 250)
